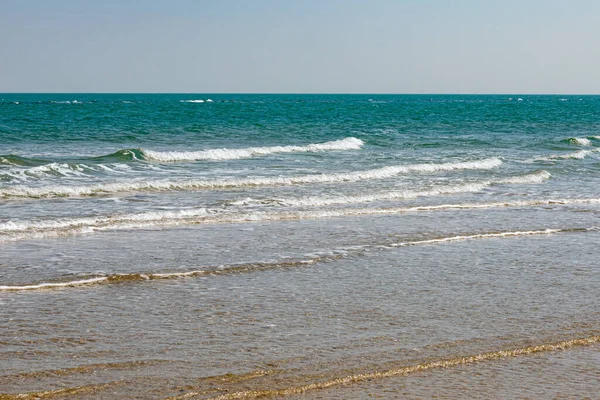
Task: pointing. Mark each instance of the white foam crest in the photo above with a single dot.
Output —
(318, 201)
(6, 161)
(193, 101)
(536, 177)
(24, 174)
(390, 171)
(100, 221)
(582, 141)
(191, 184)
(11, 231)
(349, 143)
(577, 155)
(55, 285)
(478, 236)
(54, 169)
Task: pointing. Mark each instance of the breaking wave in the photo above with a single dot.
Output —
(197, 101)
(41, 171)
(127, 155)
(14, 160)
(577, 155)
(319, 201)
(350, 143)
(57, 170)
(580, 141)
(192, 184)
(39, 229)
(122, 156)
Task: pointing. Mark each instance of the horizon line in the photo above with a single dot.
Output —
(325, 93)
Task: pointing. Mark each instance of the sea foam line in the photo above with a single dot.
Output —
(319, 201)
(577, 155)
(58, 170)
(580, 141)
(132, 277)
(23, 230)
(195, 184)
(19, 230)
(261, 266)
(350, 143)
(54, 285)
(479, 236)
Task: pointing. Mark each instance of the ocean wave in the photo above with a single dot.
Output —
(123, 155)
(577, 155)
(126, 155)
(192, 184)
(290, 263)
(58, 170)
(66, 102)
(37, 229)
(18, 161)
(52, 169)
(349, 143)
(580, 141)
(51, 228)
(319, 201)
(533, 178)
(197, 101)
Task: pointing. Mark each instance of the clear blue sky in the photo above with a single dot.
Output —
(300, 46)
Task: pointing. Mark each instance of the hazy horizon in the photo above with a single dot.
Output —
(311, 47)
(316, 93)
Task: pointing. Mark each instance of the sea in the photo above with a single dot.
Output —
(225, 246)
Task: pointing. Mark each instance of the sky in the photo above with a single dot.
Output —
(300, 46)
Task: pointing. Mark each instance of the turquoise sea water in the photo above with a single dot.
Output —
(199, 245)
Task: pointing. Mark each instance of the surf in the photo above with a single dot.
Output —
(350, 143)
(51, 228)
(231, 183)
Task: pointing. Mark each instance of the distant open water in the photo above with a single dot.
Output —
(228, 246)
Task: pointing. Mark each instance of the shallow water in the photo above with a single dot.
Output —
(383, 246)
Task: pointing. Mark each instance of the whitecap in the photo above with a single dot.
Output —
(580, 141)
(35, 229)
(577, 155)
(349, 143)
(195, 184)
(320, 201)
